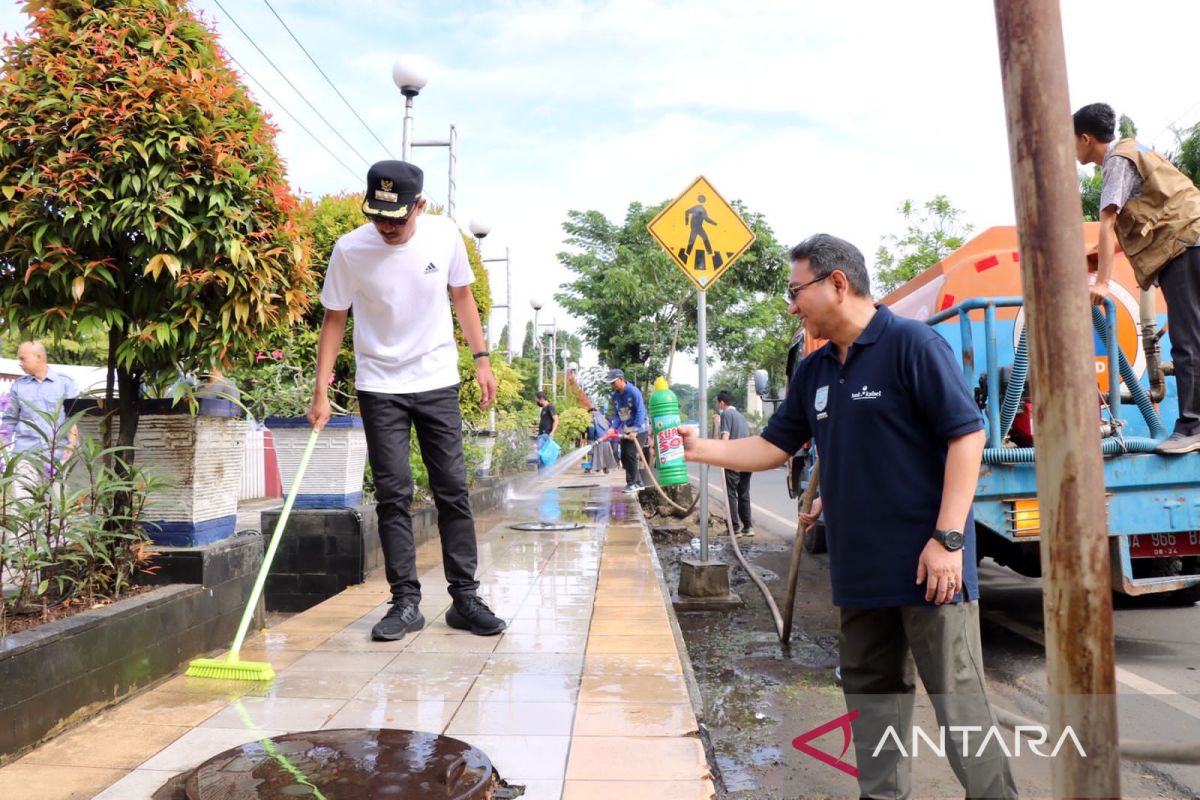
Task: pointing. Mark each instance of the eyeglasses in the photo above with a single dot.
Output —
(794, 291)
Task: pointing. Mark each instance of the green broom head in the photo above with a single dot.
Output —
(224, 670)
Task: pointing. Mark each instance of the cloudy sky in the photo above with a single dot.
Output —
(823, 116)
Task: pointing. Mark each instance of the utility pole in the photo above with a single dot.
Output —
(1077, 594)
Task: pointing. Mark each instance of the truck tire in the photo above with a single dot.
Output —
(1185, 597)
(814, 539)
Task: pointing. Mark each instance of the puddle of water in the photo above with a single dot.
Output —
(345, 763)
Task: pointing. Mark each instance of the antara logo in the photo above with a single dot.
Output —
(1036, 736)
(867, 394)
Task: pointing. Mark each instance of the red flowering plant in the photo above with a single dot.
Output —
(278, 381)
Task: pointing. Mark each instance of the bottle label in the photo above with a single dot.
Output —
(670, 446)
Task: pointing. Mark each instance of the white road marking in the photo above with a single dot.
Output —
(1124, 676)
(715, 484)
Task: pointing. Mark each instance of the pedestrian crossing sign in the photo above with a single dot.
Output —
(702, 233)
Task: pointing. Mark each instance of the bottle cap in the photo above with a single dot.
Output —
(661, 384)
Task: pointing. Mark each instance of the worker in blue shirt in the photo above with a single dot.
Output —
(630, 421)
(901, 440)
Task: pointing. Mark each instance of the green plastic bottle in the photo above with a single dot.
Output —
(668, 442)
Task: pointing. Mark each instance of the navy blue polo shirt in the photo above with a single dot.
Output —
(881, 422)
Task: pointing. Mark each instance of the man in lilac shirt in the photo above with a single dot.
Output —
(36, 415)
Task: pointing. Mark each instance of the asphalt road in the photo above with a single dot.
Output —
(1157, 644)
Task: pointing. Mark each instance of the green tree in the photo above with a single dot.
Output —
(1089, 191)
(529, 346)
(502, 342)
(1125, 128)
(143, 197)
(934, 231)
(637, 307)
(1187, 152)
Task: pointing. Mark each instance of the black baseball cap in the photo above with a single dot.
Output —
(613, 374)
(393, 189)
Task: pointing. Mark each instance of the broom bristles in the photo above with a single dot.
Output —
(221, 669)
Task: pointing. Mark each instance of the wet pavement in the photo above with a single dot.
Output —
(584, 696)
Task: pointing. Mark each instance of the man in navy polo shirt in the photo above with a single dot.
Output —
(901, 440)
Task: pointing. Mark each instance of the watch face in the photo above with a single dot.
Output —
(953, 540)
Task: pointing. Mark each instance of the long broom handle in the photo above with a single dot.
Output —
(261, 580)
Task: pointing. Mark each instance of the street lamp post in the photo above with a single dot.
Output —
(410, 79)
(553, 360)
(452, 144)
(537, 333)
(480, 230)
(408, 75)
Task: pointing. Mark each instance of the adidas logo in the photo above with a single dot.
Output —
(432, 268)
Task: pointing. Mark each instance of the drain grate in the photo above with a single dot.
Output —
(346, 763)
(578, 486)
(546, 526)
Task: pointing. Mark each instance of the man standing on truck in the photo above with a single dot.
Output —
(901, 441)
(1153, 210)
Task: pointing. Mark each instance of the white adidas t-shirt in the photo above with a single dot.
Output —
(403, 333)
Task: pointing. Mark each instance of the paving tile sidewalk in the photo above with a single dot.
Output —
(582, 697)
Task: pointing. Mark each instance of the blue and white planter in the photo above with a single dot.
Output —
(335, 473)
(201, 459)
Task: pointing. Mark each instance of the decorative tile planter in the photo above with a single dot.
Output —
(201, 458)
(335, 473)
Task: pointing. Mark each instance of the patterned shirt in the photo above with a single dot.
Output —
(28, 396)
(1119, 180)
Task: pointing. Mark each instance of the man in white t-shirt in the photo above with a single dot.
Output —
(400, 272)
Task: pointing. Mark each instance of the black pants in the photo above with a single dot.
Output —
(388, 420)
(1180, 282)
(629, 456)
(737, 489)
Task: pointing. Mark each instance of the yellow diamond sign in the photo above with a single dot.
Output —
(702, 233)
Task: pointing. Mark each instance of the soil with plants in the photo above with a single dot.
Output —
(56, 609)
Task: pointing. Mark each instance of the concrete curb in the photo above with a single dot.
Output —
(689, 675)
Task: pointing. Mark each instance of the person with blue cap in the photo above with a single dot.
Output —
(632, 423)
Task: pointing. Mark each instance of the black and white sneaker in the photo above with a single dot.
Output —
(401, 619)
(472, 614)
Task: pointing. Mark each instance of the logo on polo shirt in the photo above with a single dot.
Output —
(867, 394)
(822, 398)
(432, 268)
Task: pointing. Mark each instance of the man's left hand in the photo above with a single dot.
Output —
(941, 571)
(487, 383)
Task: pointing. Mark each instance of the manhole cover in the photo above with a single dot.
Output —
(546, 526)
(350, 763)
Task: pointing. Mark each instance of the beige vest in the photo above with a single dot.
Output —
(1157, 225)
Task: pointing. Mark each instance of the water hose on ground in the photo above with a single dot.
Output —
(654, 480)
(762, 587)
(783, 622)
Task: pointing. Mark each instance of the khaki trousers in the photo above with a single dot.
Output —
(881, 649)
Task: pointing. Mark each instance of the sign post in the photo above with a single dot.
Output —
(704, 236)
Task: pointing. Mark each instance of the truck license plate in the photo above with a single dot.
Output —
(1164, 545)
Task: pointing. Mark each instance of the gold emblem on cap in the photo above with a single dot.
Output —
(386, 185)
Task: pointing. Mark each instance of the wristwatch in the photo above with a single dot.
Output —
(950, 539)
(481, 354)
